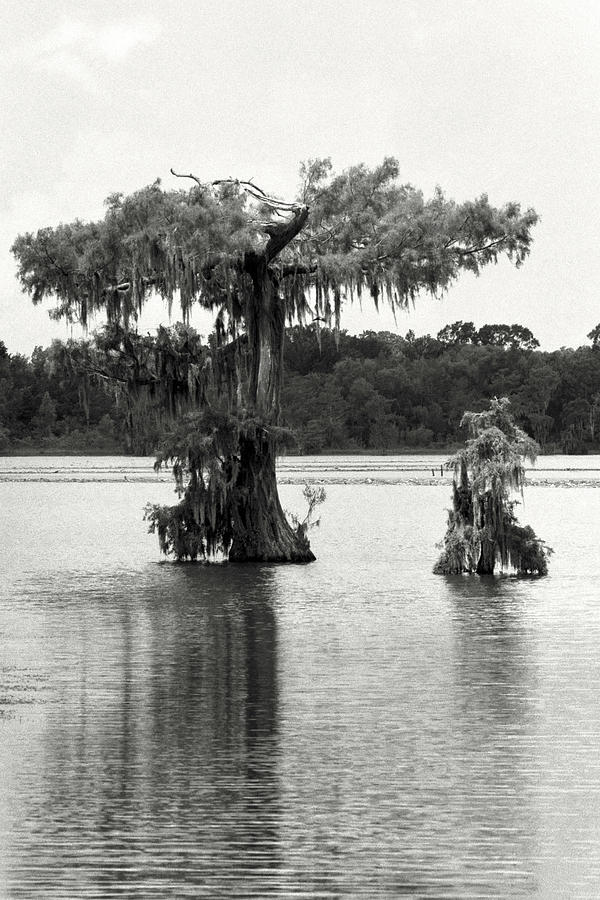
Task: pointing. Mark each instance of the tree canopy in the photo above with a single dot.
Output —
(361, 229)
(256, 262)
(513, 337)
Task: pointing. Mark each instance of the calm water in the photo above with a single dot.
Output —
(353, 728)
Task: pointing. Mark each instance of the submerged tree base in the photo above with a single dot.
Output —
(292, 554)
(464, 553)
(183, 538)
(226, 477)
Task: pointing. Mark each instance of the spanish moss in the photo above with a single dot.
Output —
(483, 533)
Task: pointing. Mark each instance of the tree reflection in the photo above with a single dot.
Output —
(494, 755)
(161, 767)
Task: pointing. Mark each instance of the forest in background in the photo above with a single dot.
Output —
(378, 392)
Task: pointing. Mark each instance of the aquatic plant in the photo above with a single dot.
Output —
(483, 531)
(314, 497)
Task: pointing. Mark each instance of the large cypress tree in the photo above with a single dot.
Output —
(256, 262)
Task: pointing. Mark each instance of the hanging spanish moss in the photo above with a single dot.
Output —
(256, 262)
(219, 464)
(483, 533)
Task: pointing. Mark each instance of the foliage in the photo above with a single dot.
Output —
(421, 393)
(255, 262)
(412, 401)
(4, 438)
(363, 229)
(45, 420)
(458, 333)
(594, 336)
(41, 406)
(514, 337)
(202, 451)
(314, 497)
(482, 528)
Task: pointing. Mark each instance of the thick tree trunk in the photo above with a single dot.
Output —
(487, 519)
(487, 557)
(261, 530)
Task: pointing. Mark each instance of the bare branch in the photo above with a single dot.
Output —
(258, 194)
(193, 177)
(254, 190)
(255, 186)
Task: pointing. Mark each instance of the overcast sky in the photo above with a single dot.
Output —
(482, 96)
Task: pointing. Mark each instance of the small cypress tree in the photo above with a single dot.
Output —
(483, 531)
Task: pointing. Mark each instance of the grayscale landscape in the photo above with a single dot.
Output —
(299, 450)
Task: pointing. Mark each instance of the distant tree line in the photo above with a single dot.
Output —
(381, 391)
(376, 392)
(44, 406)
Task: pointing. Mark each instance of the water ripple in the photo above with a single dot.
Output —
(353, 728)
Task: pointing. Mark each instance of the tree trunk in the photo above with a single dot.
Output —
(487, 557)
(261, 530)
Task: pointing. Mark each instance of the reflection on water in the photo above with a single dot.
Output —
(157, 762)
(495, 683)
(353, 728)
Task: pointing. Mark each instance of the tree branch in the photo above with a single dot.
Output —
(281, 234)
(193, 177)
(230, 348)
(88, 369)
(55, 262)
(256, 192)
(453, 240)
(125, 286)
(481, 248)
(302, 269)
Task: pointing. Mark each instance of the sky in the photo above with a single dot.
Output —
(472, 95)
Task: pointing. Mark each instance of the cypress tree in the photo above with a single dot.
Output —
(483, 532)
(256, 262)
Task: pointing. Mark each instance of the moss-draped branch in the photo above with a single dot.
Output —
(361, 230)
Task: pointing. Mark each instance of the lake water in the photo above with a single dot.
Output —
(357, 727)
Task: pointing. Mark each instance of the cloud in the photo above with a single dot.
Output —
(74, 48)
